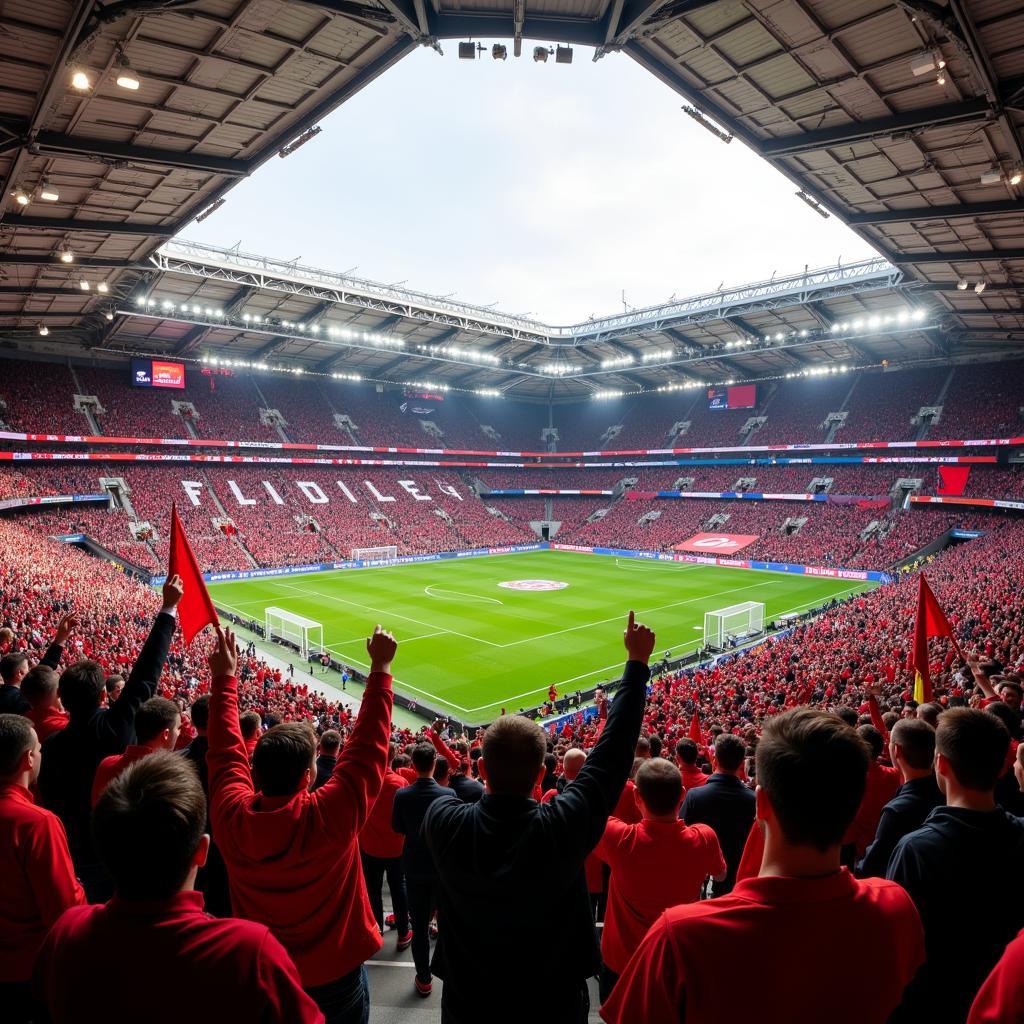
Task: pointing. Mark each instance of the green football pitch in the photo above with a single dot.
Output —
(470, 646)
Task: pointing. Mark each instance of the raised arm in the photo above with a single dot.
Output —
(583, 808)
(346, 797)
(980, 679)
(119, 721)
(226, 758)
(65, 628)
(873, 692)
(442, 748)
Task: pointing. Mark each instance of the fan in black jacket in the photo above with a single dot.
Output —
(15, 666)
(94, 732)
(510, 870)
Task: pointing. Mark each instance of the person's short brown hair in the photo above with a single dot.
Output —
(513, 753)
(148, 824)
(929, 713)
(975, 744)
(200, 711)
(155, 715)
(729, 752)
(81, 687)
(687, 751)
(250, 724)
(15, 739)
(282, 756)
(9, 665)
(873, 738)
(916, 740)
(660, 785)
(423, 757)
(330, 742)
(813, 768)
(39, 686)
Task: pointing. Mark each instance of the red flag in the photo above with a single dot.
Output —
(696, 734)
(953, 480)
(931, 621)
(195, 610)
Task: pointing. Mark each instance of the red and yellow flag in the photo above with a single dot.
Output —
(931, 621)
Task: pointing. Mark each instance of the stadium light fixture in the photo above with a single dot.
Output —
(301, 140)
(563, 55)
(813, 204)
(212, 208)
(926, 63)
(979, 287)
(80, 80)
(499, 51)
(109, 314)
(992, 176)
(103, 288)
(541, 54)
(962, 285)
(67, 256)
(699, 117)
(48, 192)
(918, 314)
(21, 197)
(608, 393)
(84, 285)
(1016, 175)
(43, 330)
(468, 51)
(126, 77)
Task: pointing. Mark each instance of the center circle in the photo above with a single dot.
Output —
(533, 585)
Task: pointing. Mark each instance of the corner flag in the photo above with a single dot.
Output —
(195, 610)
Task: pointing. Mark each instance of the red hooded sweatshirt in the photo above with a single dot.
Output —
(293, 861)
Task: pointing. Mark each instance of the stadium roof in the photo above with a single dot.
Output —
(904, 119)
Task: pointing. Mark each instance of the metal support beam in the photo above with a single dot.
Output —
(501, 25)
(955, 211)
(46, 259)
(962, 112)
(105, 149)
(193, 338)
(65, 224)
(959, 256)
(404, 12)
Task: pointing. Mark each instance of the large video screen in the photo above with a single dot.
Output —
(158, 373)
(737, 396)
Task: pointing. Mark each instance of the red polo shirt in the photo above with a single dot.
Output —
(378, 838)
(654, 865)
(47, 721)
(37, 880)
(789, 942)
(234, 970)
(693, 776)
(1001, 999)
(626, 809)
(110, 767)
(293, 861)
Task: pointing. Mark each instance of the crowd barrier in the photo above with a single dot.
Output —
(53, 499)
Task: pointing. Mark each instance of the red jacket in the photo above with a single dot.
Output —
(110, 767)
(1001, 999)
(378, 838)
(293, 862)
(47, 721)
(234, 970)
(37, 880)
(882, 784)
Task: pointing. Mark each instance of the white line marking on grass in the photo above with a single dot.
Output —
(430, 592)
(643, 611)
(644, 564)
(388, 613)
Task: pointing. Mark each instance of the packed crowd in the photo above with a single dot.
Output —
(980, 401)
(139, 779)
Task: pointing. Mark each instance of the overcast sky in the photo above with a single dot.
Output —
(549, 189)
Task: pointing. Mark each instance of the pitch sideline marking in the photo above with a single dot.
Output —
(459, 593)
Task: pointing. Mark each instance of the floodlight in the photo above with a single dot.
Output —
(109, 314)
(126, 77)
(467, 51)
(962, 284)
(48, 192)
(992, 176)
(67, 256)
(43, 330)
(102, 288)
(1017, 175)
(80, 81)
(84, 285)
(923, 64)
(541, 54)
(21, 197)
(563, 55)
(979, 287)
(499, 51)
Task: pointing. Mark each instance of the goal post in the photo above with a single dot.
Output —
(738, 621)
(301, 633)
(387, 553)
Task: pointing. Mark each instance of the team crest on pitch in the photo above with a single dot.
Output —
(533, 585)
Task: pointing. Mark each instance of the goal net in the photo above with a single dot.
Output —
(736, 622)
(384, 554)
(303, 634)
